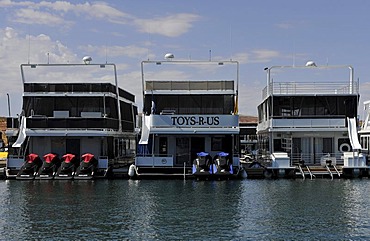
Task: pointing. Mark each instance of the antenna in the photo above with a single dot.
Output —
(106, 58)
(294, 53)
(149, 39)
(29, 47)
(210, 55)
(231, 43)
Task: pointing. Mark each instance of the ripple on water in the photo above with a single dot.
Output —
(187, 210)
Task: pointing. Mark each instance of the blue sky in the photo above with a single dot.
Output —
(258, 34)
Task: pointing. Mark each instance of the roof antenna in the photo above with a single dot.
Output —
(294, 53)
(106, 58)
(29, 47)
(149, 40)
(231, 43)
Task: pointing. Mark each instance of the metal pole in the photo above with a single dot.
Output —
(104, 110)
(8, 104)
(118, 101)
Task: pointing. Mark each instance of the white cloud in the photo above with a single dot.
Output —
(264, 55)
(242, 58)
(116, 51)
(170, 26)
(16, 49)
(256, 56)
(54, 13)
(30, 16)
(284, 25)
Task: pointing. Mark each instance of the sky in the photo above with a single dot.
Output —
(257, 34)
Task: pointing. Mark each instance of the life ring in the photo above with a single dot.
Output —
(344, 147)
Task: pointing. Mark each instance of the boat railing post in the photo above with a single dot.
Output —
(184, 170)
(118, 101)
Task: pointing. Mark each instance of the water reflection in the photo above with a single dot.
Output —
(175, 209)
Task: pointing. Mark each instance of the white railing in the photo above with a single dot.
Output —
(308, 123)
(311, 158)
(297, 88)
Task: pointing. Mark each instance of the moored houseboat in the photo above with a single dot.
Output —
(307, 122)
(72, 109)
(364, 133)
(188, 120)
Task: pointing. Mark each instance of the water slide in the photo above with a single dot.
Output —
(21, 134)
(352, 132)
(145, 130)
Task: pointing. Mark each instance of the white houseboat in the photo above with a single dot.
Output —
(189, 124)
(307, 122)
(75, 119)
(364, 132)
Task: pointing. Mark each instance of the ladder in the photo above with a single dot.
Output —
(311, 174)
(301, 171)
(328, 169)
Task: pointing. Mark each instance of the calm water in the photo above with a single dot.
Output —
(185, 210)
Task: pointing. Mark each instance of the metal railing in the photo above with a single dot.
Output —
(314, 158)
(298, 88)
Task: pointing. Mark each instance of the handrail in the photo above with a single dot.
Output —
(309, 171)
(301, 171)
(337, 171)
(328, 169)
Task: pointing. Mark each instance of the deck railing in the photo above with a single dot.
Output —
(314, 158)
(298, 88)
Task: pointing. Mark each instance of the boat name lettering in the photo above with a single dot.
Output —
(195, 120)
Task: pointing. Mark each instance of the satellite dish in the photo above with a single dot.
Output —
(169, 56)
(87, 59)
(311, 64)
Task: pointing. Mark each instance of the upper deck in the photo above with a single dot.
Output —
(190, 87)
(72, 80)
(310, 80)
(74, 98)
(308, 97)
(185, 76)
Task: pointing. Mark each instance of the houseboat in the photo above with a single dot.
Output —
(364, 132)
(307, 122)
(189, 124)
(72, 114)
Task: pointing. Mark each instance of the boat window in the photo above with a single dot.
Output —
(308, 106)
(190, 104)
(66, 104)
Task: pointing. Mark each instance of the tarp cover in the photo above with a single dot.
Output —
(87, 157)
(49, 157)
(31, 157)
(68, 158)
